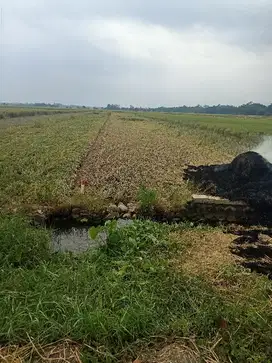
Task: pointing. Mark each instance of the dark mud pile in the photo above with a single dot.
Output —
(247, 178)
(254, 249)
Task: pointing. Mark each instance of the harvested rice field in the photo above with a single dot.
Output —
(153, 292)
(45, 159)
(134, 152)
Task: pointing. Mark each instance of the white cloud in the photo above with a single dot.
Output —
(136, 52)
(191, 64)
(195, 46)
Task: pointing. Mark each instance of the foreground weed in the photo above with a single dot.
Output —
(147, 199)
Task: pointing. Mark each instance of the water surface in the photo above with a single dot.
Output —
(76, 239)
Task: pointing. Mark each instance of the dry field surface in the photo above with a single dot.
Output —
(45, 159)
(40, 156)
(133, 152)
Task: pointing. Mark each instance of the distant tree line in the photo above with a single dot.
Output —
(250, 108)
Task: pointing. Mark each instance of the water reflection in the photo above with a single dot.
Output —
(77, 240)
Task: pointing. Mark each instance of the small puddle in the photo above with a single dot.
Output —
(76, 238)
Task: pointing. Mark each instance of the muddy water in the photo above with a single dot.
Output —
(77, 240)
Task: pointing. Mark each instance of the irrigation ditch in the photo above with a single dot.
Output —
(238, 195)
(252, 246)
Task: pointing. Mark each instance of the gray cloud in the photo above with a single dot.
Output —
(113, 51)
(246, 22)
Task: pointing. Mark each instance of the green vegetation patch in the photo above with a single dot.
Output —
(123, 293)
(21, 245)
(229, 123)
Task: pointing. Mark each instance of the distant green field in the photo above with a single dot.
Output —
(239, 124)
(12, 112)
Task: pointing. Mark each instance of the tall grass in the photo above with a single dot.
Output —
(21, 245)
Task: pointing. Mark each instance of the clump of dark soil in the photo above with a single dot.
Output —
(247, 178)
(254, 248)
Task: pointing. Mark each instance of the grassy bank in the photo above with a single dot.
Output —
(127, 292)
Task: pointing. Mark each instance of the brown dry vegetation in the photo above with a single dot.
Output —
(59, 352)
(134, 152)
(128, 151)
(207, 252)
(180, 351)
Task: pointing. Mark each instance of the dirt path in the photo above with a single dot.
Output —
(129, 153)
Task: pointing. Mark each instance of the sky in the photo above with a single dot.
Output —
(143, 53)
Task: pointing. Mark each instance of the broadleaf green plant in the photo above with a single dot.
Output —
(110, 227)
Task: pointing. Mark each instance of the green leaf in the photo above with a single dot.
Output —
(113, 225)
(114, 237)
(93, 232)
(122, 271)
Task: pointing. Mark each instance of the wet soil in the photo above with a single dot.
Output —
(254, 247)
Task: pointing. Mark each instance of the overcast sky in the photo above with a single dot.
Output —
(144, 52)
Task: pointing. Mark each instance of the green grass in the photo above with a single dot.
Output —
(227, 132)
(147, 199)
(39, 158)
(123, 293)
(232, 124)
(21, 245)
